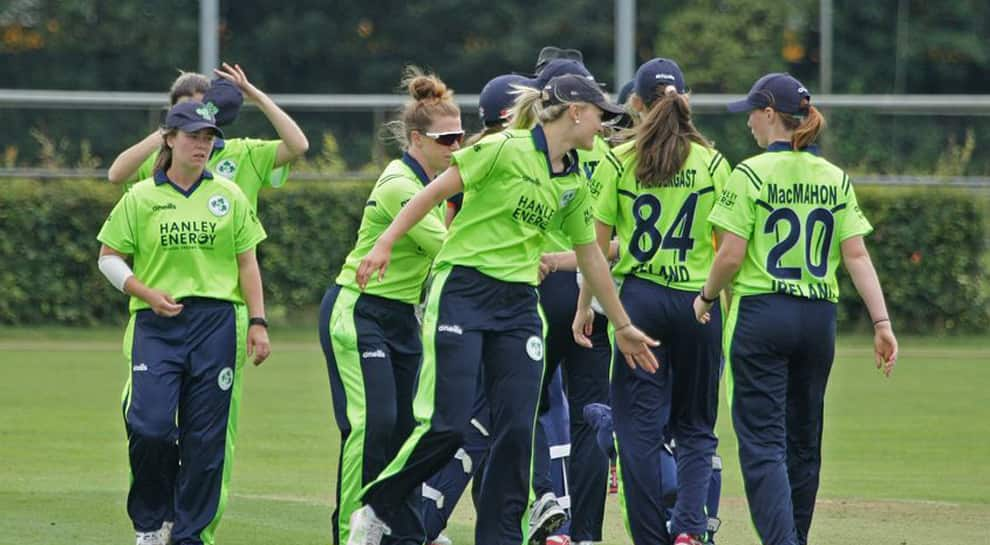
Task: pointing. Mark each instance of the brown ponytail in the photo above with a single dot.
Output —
(806, 129)
(187, 85)
(164, 160)
(663, 139)
(430, 99)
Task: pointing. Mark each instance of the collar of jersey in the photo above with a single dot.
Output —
(416, 167)
(162, 178)
(218, 145)
(571, 159)
(786, 146)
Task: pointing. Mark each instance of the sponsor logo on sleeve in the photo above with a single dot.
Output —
(728, 199)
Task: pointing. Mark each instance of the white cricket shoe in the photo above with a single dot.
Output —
(367, 528)
(442, 540)
(165, 533)
(148, 538)
(545, 518)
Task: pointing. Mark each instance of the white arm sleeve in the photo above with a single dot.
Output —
(116, 270)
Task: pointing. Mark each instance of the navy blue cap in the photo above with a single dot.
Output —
(191, 116)
(496, 98)
(574, 88)
(655, 73)
(551, 52)
(626, 91)
(780, 91)
(559, 67)
(225, 100)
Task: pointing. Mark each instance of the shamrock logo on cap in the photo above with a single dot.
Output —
(212, 108)
(205, 112)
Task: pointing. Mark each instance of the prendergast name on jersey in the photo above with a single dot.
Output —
(801, 193)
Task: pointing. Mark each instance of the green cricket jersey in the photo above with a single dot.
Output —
(249, 162)
(412, 254)
(184, 243)
(511, 201)
(795, 209)
(589, 160)
(664, 235)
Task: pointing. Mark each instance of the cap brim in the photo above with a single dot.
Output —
(193, 127)
(609, 110)
(533, 82)
(740, 106)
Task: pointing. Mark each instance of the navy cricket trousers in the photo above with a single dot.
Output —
(780, 350)
(585, 374)
(373, 349)
(185, 382)
(444, 489)
(682, 395)
(474, 324)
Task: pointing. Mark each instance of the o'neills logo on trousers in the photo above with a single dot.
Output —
(445, 328)
(373, 354)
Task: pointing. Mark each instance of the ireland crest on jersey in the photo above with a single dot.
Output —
(226, 168)
(219, 205)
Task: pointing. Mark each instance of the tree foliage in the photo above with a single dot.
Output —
(320, 46)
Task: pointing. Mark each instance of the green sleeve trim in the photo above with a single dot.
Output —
(713, 166)
(615, 163)
(751, 174)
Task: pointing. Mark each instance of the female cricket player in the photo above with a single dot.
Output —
(251, 163)
(371, 337)
(584, 370)
(657, 197)
(197, 312)
(789, 217)
(483, 312)
(494, 102)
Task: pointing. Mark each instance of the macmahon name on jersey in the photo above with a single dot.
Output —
(533, 212)
(822, 195)
(187, 233)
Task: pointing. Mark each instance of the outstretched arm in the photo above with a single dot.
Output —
(633, 343)
(437, 191)
(126, 165)
(294, 143)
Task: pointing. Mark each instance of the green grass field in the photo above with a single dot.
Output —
(907, 460)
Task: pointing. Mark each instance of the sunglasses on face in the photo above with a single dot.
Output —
(446, 138)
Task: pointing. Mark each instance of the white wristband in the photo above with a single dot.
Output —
(116, 270)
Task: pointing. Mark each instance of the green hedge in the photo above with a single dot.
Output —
(929, 249)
